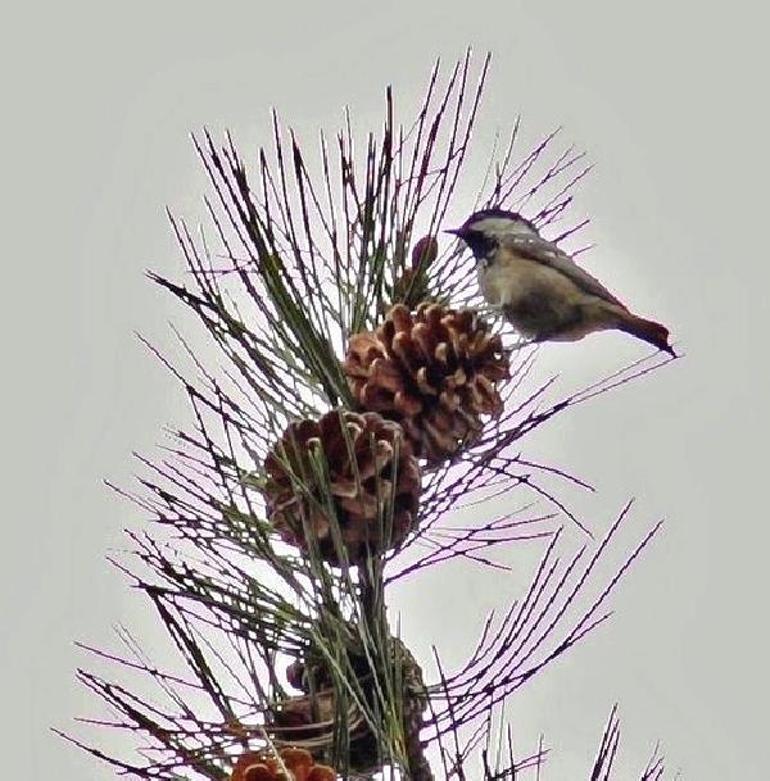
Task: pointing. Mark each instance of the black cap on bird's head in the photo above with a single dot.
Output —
(482, 229)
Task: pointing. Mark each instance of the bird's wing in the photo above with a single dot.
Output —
(546, 252)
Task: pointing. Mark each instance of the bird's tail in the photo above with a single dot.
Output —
(647, 330)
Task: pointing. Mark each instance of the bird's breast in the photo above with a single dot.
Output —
(510, 280)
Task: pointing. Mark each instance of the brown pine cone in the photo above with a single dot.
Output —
(260, 766)
(369, 464)
(309, 719)
(424, 252)
(435, 371)
(411, 286)
(303, 718)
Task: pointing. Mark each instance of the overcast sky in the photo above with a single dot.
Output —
(669, 99)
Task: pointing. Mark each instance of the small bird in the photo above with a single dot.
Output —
(540, 288)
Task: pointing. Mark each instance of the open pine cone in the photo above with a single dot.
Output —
(435, 371)
(260, 766)
(372, 484)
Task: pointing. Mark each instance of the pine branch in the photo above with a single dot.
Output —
(313, 251)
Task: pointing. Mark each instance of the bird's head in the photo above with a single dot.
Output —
(483, 230)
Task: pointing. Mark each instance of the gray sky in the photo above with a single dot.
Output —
(667, 99)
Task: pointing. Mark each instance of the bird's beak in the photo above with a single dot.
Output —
(459, 232)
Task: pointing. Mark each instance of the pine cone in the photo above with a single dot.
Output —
(260, 766)
(411, 287)
(309, 718)
(435, 371)
(305, 718)
(359, 490)
(310, 721)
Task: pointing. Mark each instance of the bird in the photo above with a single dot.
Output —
(540, 289)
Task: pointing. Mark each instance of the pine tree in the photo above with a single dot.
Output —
(364, 394)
